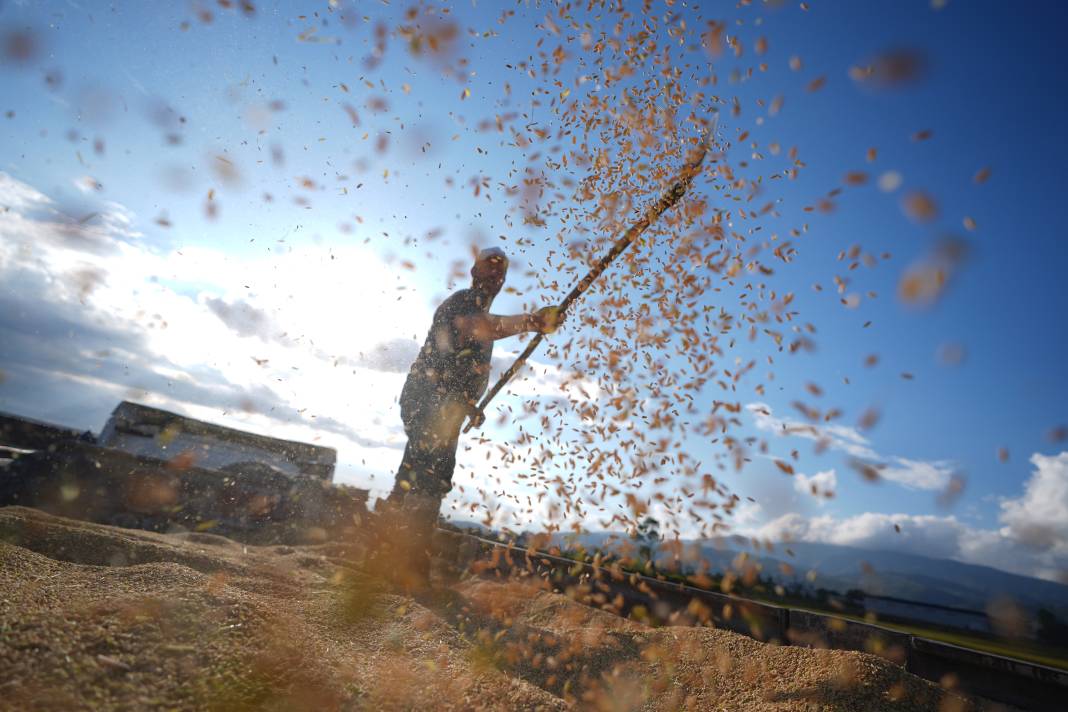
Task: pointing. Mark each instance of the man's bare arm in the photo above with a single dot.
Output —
(491, 327)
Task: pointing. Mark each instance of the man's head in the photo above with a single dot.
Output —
(489, 270)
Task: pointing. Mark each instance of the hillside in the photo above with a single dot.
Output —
(890, 573)
(921, 578)
(95, 617)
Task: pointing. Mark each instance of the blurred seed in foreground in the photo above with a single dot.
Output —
(893, 69)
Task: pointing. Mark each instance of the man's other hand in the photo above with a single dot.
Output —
(548, 319)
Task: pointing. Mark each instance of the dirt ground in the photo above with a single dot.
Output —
(95, 617)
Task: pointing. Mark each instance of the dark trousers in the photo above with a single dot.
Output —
(424, 478)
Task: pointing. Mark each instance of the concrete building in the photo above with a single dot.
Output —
(141, 430)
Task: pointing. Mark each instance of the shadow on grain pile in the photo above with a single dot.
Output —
(94, 617)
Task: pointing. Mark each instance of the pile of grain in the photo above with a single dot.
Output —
(94, 617)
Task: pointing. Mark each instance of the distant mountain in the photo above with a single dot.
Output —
(942, 581)
(886, 573)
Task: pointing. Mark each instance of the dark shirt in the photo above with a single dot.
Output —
(451, 366)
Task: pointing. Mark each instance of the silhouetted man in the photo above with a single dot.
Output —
(444, 385)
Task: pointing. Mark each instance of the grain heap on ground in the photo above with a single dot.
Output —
(95, 617)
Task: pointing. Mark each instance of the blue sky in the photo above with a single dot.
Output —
(316, 276)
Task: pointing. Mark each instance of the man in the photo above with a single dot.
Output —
(444, 385)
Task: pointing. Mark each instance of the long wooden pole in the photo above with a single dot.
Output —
(666, 201)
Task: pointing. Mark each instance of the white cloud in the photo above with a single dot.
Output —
(1032, 539)
(821, 485)
(837, 437)
(919, 474)
(746, 513)
(1039, 518)
(913, 474)
(18, 196)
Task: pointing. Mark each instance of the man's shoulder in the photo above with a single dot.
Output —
(462, 302)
